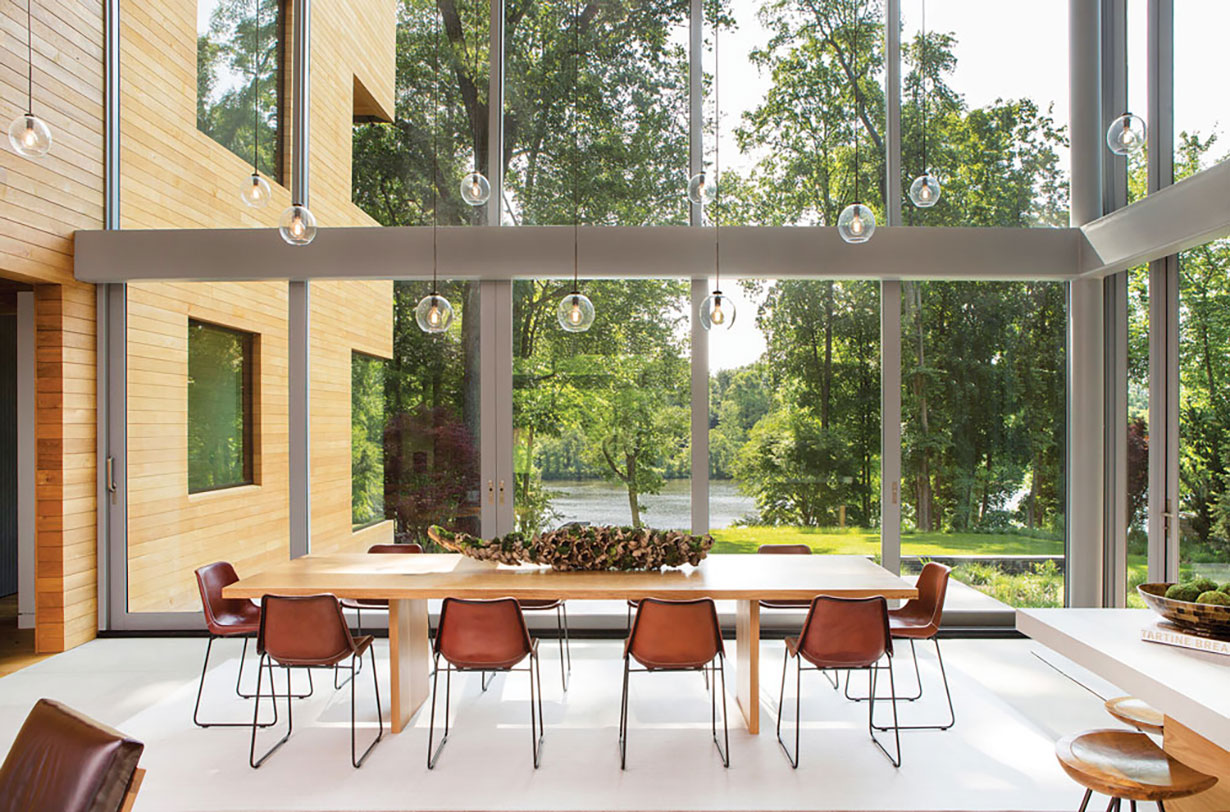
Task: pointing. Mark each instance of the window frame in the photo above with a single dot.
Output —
(248, 377)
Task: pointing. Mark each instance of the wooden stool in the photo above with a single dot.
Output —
(1136, 713)
(1127, 765)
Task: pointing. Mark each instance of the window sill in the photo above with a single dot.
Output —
(234, 491)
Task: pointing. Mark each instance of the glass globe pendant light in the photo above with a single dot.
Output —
(1127, 134)
(29, 135)
(701, 190)
(925, 190)
(254, 191)
(856, 223)
(297, 225)
(575, 312)
(434, 313)
(717, 311)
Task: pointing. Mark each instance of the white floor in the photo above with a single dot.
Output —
(1011, 706)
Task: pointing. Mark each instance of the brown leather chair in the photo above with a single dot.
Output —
(371, 604)
(485, 636)
(226, 618)
(919, 619)
(785, 549)
(561, 631)
(63, 761)
(309, 631)
(841, 634)
(677, 636)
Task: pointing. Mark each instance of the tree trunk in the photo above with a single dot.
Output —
(826, 377)
(633, 496)
(472, 376)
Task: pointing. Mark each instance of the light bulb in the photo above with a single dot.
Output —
(925, 191)
(297, 225)
(475, 189)
(254, 191)
(30, 136)
(856, 223)
(575, 313)
(434, 313)
(701, 189)
(1127, 134)
(717, 312)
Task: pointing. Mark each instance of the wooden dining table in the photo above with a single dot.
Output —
(407, 582)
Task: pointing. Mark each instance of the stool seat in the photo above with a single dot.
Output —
(1136, 713)
(1129, 765)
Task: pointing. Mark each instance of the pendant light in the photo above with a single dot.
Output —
(434, 313)
(925, 190)
(29, 134)
(475, 188)
(575, 313)
(1127, 134)
(717, 311)
(255, 191)
(856, 223)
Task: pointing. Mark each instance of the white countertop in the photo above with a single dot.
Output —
(1192, 687)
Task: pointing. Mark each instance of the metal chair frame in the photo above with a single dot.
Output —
(872, 672)
(952, 716)
(1116, 803)
(565, 644)
(355, 759)
(537, 726)
(196, 711)
(718, 666)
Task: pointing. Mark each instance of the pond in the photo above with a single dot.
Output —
(598, 502)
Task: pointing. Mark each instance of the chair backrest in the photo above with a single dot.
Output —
(845, 632)
(395, 548)
(211, 579)
(477, 632)
(304, 630)
(65, 761)
(675, 634)
(784, 549)
(928, 607)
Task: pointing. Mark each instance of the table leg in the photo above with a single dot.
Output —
(409, 659)
(747, 663)
(1201, 754)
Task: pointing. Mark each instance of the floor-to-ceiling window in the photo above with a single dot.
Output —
(794, 416)
(602, 418)
(983, 405)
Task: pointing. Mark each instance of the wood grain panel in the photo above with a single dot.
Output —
(1198, 752)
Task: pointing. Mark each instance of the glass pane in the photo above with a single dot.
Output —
(219, 407)
(1138, 433)
(1200, 117)
(1204, 411)
(791, 112)
(239, 78)
(1138, 87)
(367, 422)
(794, 400)
(206, 397)
(602, 419)
(983, 403)
(395, 415)
(392, 165)
(611, 146)
(996, 106)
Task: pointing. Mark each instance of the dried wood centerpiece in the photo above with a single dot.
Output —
(578, 547)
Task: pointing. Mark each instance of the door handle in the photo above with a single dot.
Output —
(111, 486)
(490, 492)
(501, 491)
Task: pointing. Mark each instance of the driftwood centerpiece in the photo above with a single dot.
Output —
(577, 547)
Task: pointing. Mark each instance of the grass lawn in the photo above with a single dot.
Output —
(864, 541)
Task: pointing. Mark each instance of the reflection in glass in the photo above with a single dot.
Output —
(219, 407)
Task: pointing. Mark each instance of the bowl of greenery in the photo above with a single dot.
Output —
(1200, 605)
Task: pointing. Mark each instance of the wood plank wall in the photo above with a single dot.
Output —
(42, 202)
(174, 176)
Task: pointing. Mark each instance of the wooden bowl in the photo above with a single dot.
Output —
(1202, 618)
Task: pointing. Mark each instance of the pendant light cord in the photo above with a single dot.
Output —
(717, 157)
(923, 65)
(858, 97)
(576, 146)
(256, 95)
(478, 22)
(435, 147)
(29, 58)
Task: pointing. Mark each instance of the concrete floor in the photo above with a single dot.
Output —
(1011, 706)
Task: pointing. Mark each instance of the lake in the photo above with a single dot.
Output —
(607, 503)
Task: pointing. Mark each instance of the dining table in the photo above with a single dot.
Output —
(408, 582)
